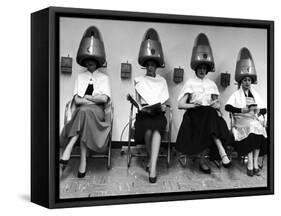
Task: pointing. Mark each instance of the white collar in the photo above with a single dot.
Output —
(200, 80)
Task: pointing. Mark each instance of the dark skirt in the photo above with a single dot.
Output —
(198, 127)
(252, 142)
(88, 121)
(146, 122)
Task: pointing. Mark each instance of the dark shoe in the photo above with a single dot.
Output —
(63, 163)
(152, 179)
(250, 172)
(227, 165)
(257, 172)
(204, 168)
(81, 175)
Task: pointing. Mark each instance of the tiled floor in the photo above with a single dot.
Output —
(120, 180)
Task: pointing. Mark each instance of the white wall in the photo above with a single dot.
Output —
(122, 42)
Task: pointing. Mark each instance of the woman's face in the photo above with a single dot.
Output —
(201, 71)
(91, 65)
(246, 83)
(151, 68)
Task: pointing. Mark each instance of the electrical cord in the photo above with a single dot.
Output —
(125, 129)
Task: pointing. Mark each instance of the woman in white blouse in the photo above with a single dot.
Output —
(90, 123)
(152, 93)
(246, 105)
(202, 128)
(150, 125)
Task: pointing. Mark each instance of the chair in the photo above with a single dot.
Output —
(165, 140)
(69, 109)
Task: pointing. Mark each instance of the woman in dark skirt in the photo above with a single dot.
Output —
(151, 94)
(150, 124)
(202, 128)
(247, 106)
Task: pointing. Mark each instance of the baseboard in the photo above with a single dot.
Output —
(120, 144)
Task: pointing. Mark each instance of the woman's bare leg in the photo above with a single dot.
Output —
(221, 150)
(256, 158)
(250, 164)
(83, 157)
(155, 146)
(147, 140)
(68, 149)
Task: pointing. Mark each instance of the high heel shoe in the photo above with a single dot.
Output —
(204, 168)
(227, 165)
(81, 174)
(152, 179)
(63, 163)
(250, 172)
(257, 171)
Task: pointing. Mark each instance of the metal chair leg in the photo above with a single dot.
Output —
(169, 154)
(109, 155)
(129, 154)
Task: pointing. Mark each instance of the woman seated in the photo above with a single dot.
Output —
(150, 124)
(152, 94)
(88, 123)
(202, 128)
(249, 133)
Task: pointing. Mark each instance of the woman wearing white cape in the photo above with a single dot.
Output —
(151, 89)
(90, 122)
(249, 132)
(202, 127)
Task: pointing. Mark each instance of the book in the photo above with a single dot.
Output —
(149, 109)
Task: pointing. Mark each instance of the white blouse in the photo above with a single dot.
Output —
(97, 78)
(200, 90)
(152, 89)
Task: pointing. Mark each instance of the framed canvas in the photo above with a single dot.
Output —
(87, 123)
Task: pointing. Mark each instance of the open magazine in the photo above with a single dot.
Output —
(148, 109)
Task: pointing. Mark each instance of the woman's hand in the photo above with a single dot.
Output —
(245, 110)
(195, 104)
(163, 107)
(183, 104)
(87, 97)
(97, 98)
(82, 100)
(215, 104)
(258, 112)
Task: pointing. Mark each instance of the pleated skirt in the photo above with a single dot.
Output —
(198, 127)
(88, 121)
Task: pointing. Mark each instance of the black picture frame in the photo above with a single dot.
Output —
(45, 63)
